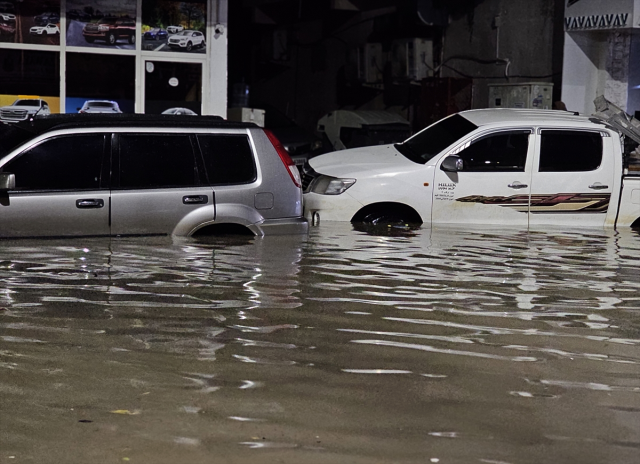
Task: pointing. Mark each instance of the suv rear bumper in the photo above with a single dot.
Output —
(287, 226)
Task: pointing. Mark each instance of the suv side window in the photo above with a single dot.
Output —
(228, 159)
(157, 161)
(566, 150)
(503, 151)
(70, 162)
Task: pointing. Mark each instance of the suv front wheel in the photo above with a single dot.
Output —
(189, 46)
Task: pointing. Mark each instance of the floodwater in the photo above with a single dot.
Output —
(433, 346)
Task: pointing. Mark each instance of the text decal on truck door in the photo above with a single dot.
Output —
(555, 203)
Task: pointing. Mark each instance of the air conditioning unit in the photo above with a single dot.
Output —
(412, 59)
(538, 95)
(370, 63)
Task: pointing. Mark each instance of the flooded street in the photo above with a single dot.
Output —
(438, 346)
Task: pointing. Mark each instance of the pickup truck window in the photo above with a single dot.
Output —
(60, 163)
(430, 141)
(503, 151)
(566, 150)
(157, 161)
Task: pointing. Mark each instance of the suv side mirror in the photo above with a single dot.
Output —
(452, 163)
(7, 181)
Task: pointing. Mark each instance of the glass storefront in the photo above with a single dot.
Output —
(144, 55)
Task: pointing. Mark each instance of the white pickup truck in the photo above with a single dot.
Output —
(503, 167)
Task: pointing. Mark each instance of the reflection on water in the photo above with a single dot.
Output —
(357, 346)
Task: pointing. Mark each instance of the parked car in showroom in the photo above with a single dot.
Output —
(111, 29)
(22, 109)
(78, 15)
(46, 18)
(187, 40)
(49, 29)
(155, 34)
(174, 29)
(100, 106)
(68, 175)
(180, 111)
(7, 28)
(497, 167)
(7, 17)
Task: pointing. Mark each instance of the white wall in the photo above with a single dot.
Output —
(584, 74)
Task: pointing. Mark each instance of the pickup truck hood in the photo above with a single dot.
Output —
(357, 162)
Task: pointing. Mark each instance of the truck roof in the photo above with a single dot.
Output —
(492, 116)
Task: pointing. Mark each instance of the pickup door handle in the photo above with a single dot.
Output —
(86, 203)
(598, 186)
(195, 200)
(517, 185)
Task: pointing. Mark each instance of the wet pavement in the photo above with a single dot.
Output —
(434, 346)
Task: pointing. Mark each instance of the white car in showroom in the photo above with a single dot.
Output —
(100, 106)
(49, 29)
(23, 108)
(187, 40)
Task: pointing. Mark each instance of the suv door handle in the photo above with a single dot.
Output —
(89, 203)
(598, 186)
(195, 200)
(517, 185)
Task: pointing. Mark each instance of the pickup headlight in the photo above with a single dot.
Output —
(327, 185)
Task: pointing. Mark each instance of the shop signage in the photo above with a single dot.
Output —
(599, 15)
(606, 21)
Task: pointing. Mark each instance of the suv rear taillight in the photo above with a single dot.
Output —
(286, 159)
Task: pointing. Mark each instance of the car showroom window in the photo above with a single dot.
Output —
(566, 150)
(503, 151)
(157, 161)
(228, 159)
(61, 163)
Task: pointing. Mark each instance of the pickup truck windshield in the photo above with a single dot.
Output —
(429, 142)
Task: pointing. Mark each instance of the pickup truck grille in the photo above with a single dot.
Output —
(13, 114)
(308, 174)
(91, 28)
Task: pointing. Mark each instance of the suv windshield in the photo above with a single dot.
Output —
(429, 142)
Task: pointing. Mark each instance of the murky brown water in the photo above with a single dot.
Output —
(444, 346)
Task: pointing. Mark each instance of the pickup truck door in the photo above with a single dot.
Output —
(573, 178)
(492, 186)
(62, 188)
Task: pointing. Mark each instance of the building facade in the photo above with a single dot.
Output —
(601, 41)
(146, 55)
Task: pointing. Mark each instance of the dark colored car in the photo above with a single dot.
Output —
(46, 18)
(78, 15)
(111, 29)
(156, 34)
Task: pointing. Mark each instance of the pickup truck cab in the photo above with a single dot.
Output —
(500, 167)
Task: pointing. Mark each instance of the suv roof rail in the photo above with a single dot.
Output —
(45, 123)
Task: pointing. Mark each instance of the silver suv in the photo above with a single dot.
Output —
(101, 175)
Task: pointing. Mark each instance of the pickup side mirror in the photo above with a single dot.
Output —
(452, 163)
(7, 181)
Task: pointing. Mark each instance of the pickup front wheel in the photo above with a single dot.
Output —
(132, 39)
(111, 39)
(387, 213)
